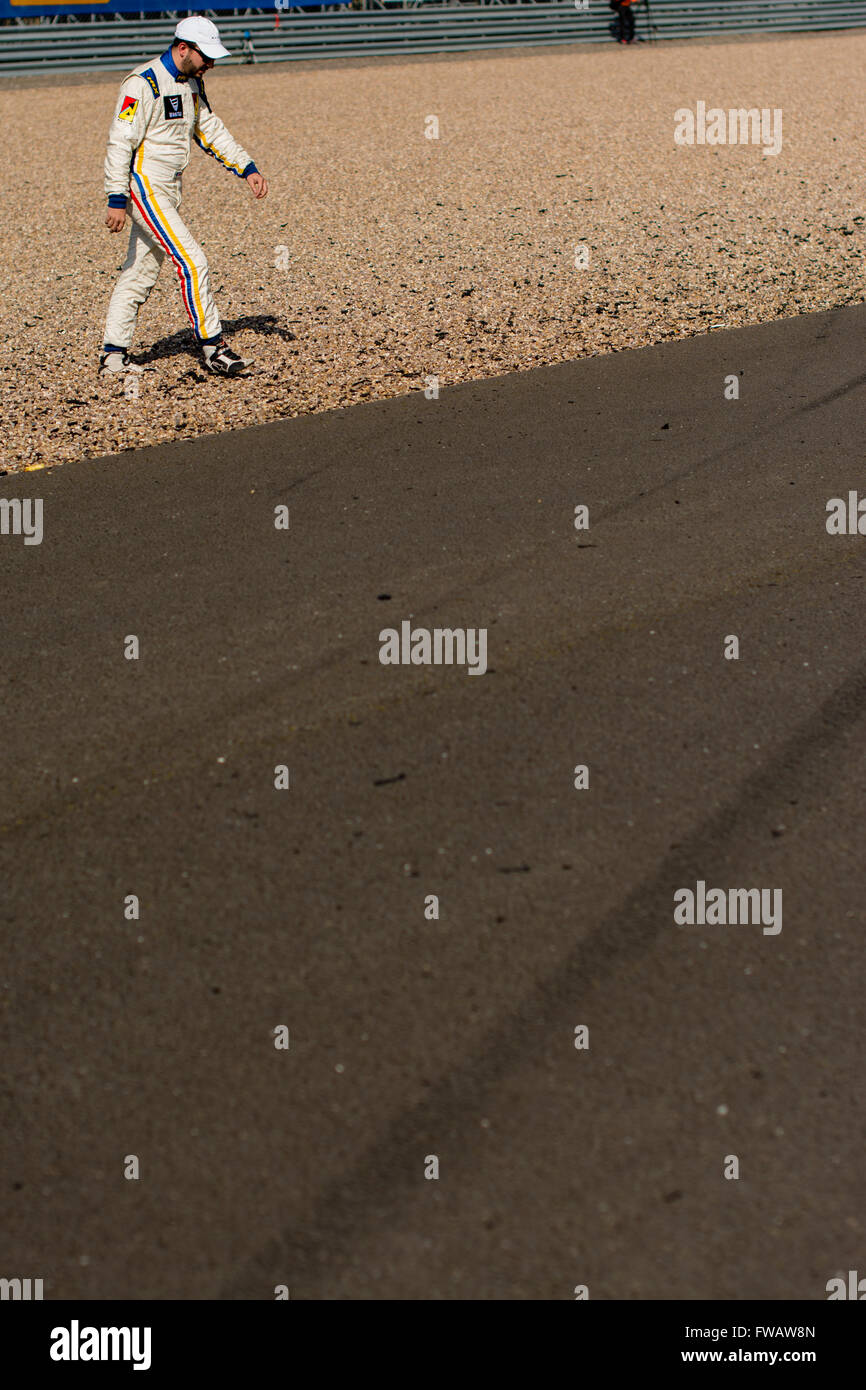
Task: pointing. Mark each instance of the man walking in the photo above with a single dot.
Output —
(161, 107)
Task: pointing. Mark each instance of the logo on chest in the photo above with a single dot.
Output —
(173, 107)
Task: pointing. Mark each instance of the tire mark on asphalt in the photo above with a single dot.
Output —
(168, 754)
(344, 1211)
(832, 396)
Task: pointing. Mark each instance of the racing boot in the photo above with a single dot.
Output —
(219, 358)
(118, 363)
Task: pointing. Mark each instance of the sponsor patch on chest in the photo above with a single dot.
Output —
(173, 106)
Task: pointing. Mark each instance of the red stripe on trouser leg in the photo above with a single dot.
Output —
(176, 260)
(161, 204)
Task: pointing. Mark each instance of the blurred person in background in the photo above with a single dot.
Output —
(624, 10)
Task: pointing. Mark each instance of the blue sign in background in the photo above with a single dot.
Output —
(12, 9)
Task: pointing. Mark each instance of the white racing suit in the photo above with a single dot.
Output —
(158, 113)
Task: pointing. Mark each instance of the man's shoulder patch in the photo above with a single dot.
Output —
(150, 78)
(128, 109)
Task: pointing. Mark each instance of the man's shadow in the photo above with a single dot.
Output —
(183, 344)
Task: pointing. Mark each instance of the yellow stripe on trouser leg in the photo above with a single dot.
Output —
(160, 208)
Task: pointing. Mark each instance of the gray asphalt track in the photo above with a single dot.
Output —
(306, 907)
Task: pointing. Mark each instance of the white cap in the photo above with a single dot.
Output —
(203, 33)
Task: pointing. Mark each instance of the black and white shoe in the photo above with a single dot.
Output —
(219, 358)
(118, 364)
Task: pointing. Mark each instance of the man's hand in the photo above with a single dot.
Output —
(258, 185)
(115, 218)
